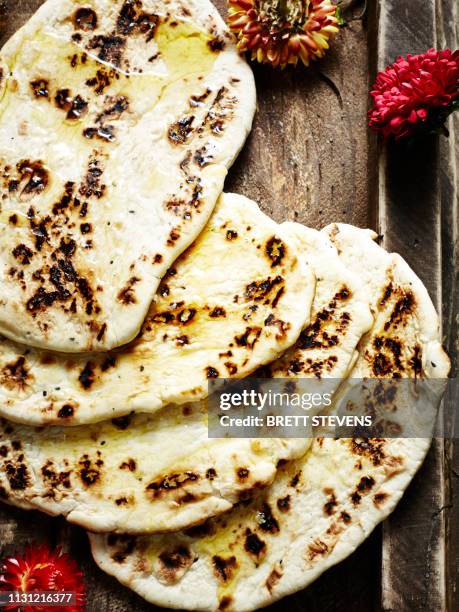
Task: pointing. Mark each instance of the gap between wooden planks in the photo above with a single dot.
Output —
(418, 202)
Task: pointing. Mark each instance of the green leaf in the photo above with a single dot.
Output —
(339, 16)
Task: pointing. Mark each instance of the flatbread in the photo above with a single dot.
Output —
(119, 119)
(136, 474)
(405, 339)
(340, 315)
(319, 508)
(277, 544)
(236, 299)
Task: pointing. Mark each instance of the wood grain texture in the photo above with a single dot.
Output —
(310, 158)
(307, 156)
(448, 36)
(418, 218)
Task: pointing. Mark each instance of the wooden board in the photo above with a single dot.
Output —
(311, 158)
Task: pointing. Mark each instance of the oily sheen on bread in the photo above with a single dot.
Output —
(320, 507)
(119, 119)
(235, 300)
(139, 474)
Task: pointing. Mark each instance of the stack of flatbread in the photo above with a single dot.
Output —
(129, 281)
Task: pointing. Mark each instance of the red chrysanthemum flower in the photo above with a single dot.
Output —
(280, 32)
(41, 569)
(417, 93)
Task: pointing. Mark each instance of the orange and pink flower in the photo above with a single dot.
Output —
(281, 32)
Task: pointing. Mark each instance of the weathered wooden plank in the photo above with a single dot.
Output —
(410, 221)
(13, 13)
(307, 156)
(448, 36)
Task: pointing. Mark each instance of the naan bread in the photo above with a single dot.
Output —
(315, 514)
(238, 298)
(319, 508)
(136, 474)
(340, 314)
(119, 119)
(405, 338)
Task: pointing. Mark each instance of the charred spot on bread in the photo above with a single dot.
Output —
(124, 545)
(127, 294)
(133, 20)
(343, 294)
(122, 501)
(40, 88)
(231, 235)
(416, 361)
(260, 290)
(110, 48)
(66, 411)
(249, 338)
(224, 567)
(103, 132)
(266, 520)
(372, 448)
(16, 375)
(275, 249)
(87, 376)
(17, 475)
(85, 18)
(23, 254)
(115, 108)
(363, 487)
(402, 309)
(380, 498)
(283, 503)
(387, 292)
(179, 132)
(54, 478)
(224, 603)
(216, 44)
(273, 578)
(211, 372)
(170, 482)
(230, 367)
(253, 544)
(89, 469)
(78, 108)
(122, 422)
(33, 178)
(366, 483)
(172, 563)
(129, 465)
(217, 311)
(330, 505)
(242, 473)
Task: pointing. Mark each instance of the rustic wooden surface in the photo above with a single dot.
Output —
(311, 158)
